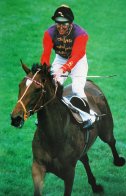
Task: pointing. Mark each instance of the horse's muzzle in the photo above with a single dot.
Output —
(17, 121)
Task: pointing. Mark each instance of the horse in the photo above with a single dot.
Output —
(59, 141)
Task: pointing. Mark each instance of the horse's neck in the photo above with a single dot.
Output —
(53, 117)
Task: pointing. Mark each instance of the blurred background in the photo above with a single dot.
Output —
(23, 23)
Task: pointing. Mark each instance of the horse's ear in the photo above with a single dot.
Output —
(25, 68)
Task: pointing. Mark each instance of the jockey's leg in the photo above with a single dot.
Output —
(79, 75)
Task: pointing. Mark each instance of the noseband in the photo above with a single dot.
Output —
(35, 109)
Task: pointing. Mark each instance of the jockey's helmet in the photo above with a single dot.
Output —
(63, 14)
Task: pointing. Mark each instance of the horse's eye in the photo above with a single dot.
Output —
(43, 80)
(37, 90)
(37, 85)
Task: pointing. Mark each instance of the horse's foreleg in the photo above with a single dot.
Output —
(91, 179)
(118, 161)
(68, 181)
(38, 173)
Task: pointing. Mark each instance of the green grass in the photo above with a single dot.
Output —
(22, 26)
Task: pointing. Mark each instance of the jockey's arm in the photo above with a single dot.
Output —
(78, 51)
(47, 47)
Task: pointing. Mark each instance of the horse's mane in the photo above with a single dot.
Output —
(46, 73)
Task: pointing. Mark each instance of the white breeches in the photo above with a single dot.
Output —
(78, 74)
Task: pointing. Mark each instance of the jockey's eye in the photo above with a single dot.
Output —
(64, 25)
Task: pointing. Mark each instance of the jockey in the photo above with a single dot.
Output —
(69, 43)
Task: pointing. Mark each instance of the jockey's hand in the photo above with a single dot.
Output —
(58, 74)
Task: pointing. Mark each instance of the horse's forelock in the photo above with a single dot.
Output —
(45, 70)
(36, 67)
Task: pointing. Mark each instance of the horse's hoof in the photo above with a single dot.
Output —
(119, 162)
(98, 189)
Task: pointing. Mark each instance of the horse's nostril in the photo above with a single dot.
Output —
(17, 121)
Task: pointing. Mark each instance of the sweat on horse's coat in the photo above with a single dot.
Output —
(64, 142)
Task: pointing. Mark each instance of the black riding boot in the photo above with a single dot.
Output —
(83, 106)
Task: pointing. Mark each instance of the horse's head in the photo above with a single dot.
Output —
(34, 91)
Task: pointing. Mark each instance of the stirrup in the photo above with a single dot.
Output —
(88, 125)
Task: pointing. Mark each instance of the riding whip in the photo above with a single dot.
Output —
(90, 76)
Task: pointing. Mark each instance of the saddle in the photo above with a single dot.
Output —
(76, 105)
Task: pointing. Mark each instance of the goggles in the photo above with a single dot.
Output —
(63, 25)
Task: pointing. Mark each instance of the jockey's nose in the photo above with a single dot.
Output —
(62, 28)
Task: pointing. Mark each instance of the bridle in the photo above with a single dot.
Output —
(35, 109)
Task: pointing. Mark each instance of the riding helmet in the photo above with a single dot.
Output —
(63, 14)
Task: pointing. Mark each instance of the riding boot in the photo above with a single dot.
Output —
(89, 116)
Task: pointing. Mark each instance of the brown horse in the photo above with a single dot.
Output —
(59, 142)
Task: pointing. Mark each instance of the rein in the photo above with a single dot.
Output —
(50, 100)
(34, 110)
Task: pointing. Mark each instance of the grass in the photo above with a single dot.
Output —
(22, 26)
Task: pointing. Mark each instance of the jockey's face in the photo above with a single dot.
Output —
(62, 28)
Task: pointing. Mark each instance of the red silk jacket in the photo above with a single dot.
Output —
(71, 47)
